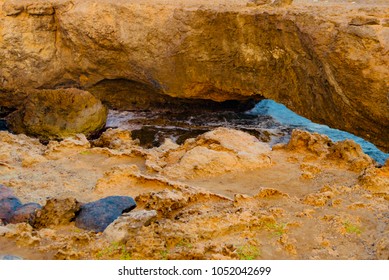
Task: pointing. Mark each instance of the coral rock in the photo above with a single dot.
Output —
(57, 212)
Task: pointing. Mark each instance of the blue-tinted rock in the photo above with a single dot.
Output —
(97, 215)
(7, 207)
(25, 213)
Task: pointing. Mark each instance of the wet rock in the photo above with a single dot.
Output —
(56, 212)
(25, 213)
(120, 230)
(97, 215)
(7, 207)
(9, 257)
(57, 114)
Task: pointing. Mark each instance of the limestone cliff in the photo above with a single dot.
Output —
(328, 63)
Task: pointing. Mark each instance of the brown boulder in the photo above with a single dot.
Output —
(57, 114)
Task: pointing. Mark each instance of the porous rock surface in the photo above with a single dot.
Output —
(316, 200)
(326, 61)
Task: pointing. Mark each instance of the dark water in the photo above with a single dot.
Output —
(269, 121)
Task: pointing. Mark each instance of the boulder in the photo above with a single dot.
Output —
(57, 114)
(97, 215)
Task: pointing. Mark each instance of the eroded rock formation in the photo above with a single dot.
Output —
(331, 67)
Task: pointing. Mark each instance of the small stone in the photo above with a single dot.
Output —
(97, 215)
(122, 227)
(25, 213)
(7, 207)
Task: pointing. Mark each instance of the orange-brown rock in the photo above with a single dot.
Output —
(329, 66)
(57, 114)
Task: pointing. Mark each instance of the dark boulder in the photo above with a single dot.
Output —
(25, 213)
(97, 215)
(7, 207)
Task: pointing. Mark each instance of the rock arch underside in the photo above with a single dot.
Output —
(329, 64)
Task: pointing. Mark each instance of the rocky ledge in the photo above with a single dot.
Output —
(328, 62)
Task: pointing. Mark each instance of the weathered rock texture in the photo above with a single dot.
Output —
(330, 65)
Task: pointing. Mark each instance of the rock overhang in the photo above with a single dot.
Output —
(320, 64)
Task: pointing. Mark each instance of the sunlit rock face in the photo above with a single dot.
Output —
(330, 66)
